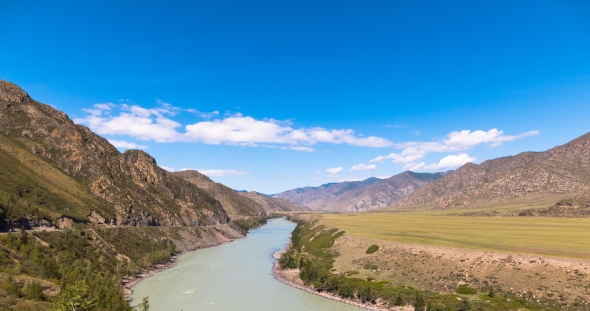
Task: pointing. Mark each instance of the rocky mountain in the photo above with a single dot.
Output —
(554, 174)
(372, 193)
(307, 195)
(232, 202)
(376, 195)
(271, 204)
(54, 169)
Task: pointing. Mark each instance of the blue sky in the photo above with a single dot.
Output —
(270, 96)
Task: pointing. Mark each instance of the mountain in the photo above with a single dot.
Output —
(271, 204)
(563, 171)
(307, 195)
(363, 195)
(54, 169)
(232, 202)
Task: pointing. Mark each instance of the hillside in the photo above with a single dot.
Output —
(563, 171)
(271, 204)
(307, 195)
(52, 167)
(372, 193)
(231, 201)
(379, 194)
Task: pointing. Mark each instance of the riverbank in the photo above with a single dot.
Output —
(290, 278)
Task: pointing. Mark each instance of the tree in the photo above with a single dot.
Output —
(75, 298)
(144, 305)
(33, 290)
(399, 301)
(491, 293)
(464, 305)
(419, 303)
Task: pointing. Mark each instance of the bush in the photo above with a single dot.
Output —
(373, 248)
(370, 267)
(466, 290)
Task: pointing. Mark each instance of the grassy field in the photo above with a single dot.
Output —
(563, 237)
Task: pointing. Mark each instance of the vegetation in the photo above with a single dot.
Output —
(86, 263)
(372, 249)
(310, 253)
(466, 290)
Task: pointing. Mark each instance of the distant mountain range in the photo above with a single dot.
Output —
(558, 173)
(369, 194)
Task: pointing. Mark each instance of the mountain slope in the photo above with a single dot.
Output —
(271, 204)
(307, 195)
(52, 167)
(379, 194)
(555, 173)
(231, 201)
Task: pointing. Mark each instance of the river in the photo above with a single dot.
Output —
(234, 276)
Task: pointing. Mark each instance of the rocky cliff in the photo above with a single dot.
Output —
(58, 168)
(555, 173)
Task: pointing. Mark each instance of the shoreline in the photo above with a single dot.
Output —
(279, 276)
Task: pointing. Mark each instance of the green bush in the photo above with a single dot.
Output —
(370, 267)
(373, 248)
(466, 290)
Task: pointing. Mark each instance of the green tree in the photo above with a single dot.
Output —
(464, 305)
(491, 293)
(399, 301)
(144, 305)
(74, 298)
(11, 287)
(33, 290)
(419, 303)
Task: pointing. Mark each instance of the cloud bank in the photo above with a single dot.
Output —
(156, 124)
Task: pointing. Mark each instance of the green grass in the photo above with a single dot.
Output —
(564, 237)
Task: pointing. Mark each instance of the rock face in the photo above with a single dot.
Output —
(558, 172)
(231, 201)
(271, 204)
(46, 148)
(372, 193)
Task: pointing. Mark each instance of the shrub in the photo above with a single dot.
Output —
(370, 267)
(373, 248)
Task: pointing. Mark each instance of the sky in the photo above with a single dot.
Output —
(273, 95)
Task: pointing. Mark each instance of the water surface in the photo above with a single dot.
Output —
(234, 276)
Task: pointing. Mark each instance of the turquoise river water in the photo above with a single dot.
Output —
(234, 276)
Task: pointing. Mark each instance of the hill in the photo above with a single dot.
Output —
(232, 202)
(372, 193)
(271, 204)
(54, 169)
(558, 173)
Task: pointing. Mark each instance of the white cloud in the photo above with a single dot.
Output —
(155, 124)
(219, 173)
(126, 144)
(334, 170)
(453, 142)
(363, 167)
(205, 115)
(450, 161)
(169, 169)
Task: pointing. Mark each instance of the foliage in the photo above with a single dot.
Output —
(373, 248)
(75, 297)
(144, 305)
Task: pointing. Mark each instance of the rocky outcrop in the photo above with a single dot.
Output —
(558, 172)
(125, 189)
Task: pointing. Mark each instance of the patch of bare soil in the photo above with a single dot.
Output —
(443, 269)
